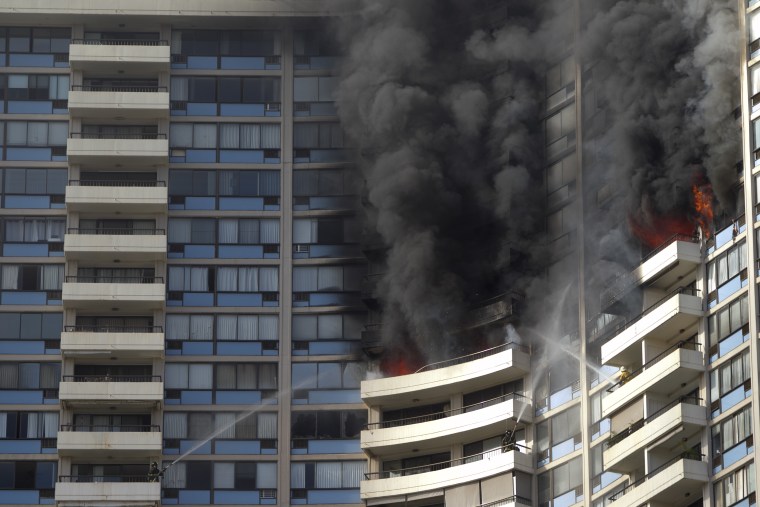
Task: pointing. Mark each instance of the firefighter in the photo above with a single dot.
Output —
(155, 473)
(624, 375)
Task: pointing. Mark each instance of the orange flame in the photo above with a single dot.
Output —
(703, 199)
(400, 363)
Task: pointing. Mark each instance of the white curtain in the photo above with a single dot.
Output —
(250, 136)
(179, 230)
(302, 231)
(175, 476)
(306, 135)
(181, 135)
(353, 473)
(224, 420)
(330, 278)
(179, 88)
(58, 133)
(304, 327)
(246, 376)
(228, 231)
(3, 425)
(224, 475)
(175, 425)
(176, 376)
(52, 277)
(226, 279)
(247, 327)
(10, 276)
(177, 277)
(248, 279)
(268, 327)
(50, 425)
(14, 229)
(298, 475)
(269, 183)
(228, 182)
(56, 229)
(330, 327)
(267, 425)
(201, 376)
(8, 376)
(33, 420)
(229, 136)
(328, 475)
(177, 327)
(266, 475)
(204, 135)
(226, 327)
(269, 279)
(270, 136)
(267, 376)
(304, 279)
(199, 279)
(29, 375)
(201, 327)
(270, 232)
(34, 230)
(37, 134)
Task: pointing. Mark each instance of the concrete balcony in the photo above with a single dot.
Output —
(128, 293)
(675, 483)
(137, 150)
(93, 441)
(141, 57)
(97, 490)
(665, 428)
(389, 484)
(463, 374)
(98, 245)
(675, 263)
(112, 196)
(83, 341)
(446, 428)
(124, 102)
(664, 320)
(662, 375)
(83, 390)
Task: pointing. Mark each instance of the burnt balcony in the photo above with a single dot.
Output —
(496, 309)
(372, 340)
(369, 289)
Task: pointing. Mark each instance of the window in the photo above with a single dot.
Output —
(30, 326)
(491, 396)
(34, 230)
(36, 133)
(327, 278)
(247, 279)
(228, 376)
(35, 181)
(237, 426)
(192, 231)
(36, 40)
(327, 474)
(315, 43)
(732, 439)
(559, 436)
(560, 175)
(248, 231)
(225, 43)
(327, 424)
(38, 87)
(317, 136)
(231, 136)
(192, 183)
(729, 384)
(323, 182)
(735, 487)
(188, 135)
(315, 89)
(249, 183)
(327, 327)
(28, 425)
(221, 327)
(728, 328)
(726, 274)
(561, 222)
(562, 485)
(240, 476)
(29, 375)
(325, 231)
(560, 75)
(28, 475)
(326, 376)
(29, 277)
(232, 90)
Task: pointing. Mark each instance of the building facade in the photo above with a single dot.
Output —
(182, 282)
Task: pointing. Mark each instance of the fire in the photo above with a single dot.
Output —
(703, 198)
(399, 363)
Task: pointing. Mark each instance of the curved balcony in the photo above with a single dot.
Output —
(108, 56)
(666, 427)
(437, 476)
(136, 390)
(472, 372)
(124, 101)
(140, 293)
(125, 441)
(126, 196)
(106, 244)
(140, 342)
(110, 149)
(677, 482)
(672, 315)
(75, 490)
(677, 365)
(478, 421)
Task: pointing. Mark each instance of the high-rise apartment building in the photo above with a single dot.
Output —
(182, 280)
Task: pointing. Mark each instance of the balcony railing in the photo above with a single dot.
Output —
(114, 279)
(622, 323)
(118, 88)
(114, 135)
(116, 183)
(112, 378)
(472, 357)
(113, 329)
(120, 42)
(117, 231)
(633, 428)
(690, 344)
(692, 455)
(111, 428)
(442, 465)
(444, 413)
(515, 499)
(103, 478)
